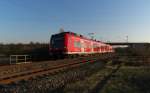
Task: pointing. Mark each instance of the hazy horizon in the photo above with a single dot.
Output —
(23, 21)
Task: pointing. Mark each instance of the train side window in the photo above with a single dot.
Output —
(102, 48)
(77, 44)
(95, 46)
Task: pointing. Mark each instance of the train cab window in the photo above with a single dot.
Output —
(57, 41)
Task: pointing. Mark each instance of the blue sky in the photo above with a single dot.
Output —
(110, 20)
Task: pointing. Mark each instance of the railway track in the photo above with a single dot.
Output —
(10, 69)
(16, 77)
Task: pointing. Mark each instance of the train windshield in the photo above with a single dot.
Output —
(57, 41)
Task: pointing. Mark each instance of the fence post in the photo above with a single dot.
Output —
(16, 59)
(10, 59)
(25, 58)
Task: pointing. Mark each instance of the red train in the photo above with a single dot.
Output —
(72, 44)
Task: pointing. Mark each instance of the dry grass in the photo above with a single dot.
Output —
(87, 85)
(129, 80)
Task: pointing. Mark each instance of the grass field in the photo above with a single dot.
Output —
(129, 80)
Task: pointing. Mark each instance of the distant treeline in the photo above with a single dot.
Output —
(139, 49)
(36, 50)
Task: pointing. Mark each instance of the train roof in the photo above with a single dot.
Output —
(79, 35)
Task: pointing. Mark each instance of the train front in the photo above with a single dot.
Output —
(57, 45)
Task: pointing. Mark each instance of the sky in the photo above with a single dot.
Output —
(22, 21)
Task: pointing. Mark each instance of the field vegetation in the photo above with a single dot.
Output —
(127, 72)
(129, 80)
(38, 51)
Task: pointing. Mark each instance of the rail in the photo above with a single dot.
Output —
(39, 72)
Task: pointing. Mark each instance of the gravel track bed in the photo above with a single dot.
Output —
(11, 69)
(7, 70)
(53, 83)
